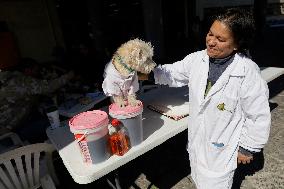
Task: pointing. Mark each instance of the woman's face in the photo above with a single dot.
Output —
(219, 41)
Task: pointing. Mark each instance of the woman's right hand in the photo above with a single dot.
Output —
(244, 159)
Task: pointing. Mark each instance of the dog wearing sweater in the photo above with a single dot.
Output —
(120, 76)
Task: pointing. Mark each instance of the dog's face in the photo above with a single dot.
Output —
(137, 55)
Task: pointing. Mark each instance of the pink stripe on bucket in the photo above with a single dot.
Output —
(89, 120)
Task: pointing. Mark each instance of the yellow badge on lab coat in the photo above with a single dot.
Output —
(221, 106)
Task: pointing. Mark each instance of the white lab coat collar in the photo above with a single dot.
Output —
(239, 68)
(234, 69)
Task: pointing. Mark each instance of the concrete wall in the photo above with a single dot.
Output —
(31, 24)
(226, 3)
(201, 4)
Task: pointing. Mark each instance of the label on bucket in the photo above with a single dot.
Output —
(84, 148)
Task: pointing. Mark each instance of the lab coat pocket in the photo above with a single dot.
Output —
(216, 155)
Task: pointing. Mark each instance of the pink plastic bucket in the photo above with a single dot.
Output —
(91, 132)
(131, 117)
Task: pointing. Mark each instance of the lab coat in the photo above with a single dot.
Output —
(116, 84)
(234, 113)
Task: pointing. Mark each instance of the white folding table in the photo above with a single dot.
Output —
(156, 130)
(271, 73)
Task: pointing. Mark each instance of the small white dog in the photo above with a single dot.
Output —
(120, 77)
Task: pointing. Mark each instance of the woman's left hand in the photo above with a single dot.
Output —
(244, 159)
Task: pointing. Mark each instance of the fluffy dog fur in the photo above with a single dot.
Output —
(132, 56)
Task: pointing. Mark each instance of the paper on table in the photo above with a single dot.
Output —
(172, 104)
(173, 112)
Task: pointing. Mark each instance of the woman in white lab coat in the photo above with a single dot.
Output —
(229, 111)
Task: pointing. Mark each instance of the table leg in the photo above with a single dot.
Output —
(116, 181)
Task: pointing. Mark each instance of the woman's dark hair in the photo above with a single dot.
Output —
(241, 23)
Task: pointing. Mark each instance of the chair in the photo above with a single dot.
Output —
(22, 168)
(12, 141)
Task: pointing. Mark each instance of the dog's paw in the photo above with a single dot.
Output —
(121, 104)
(133, 102)
(119, 101)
